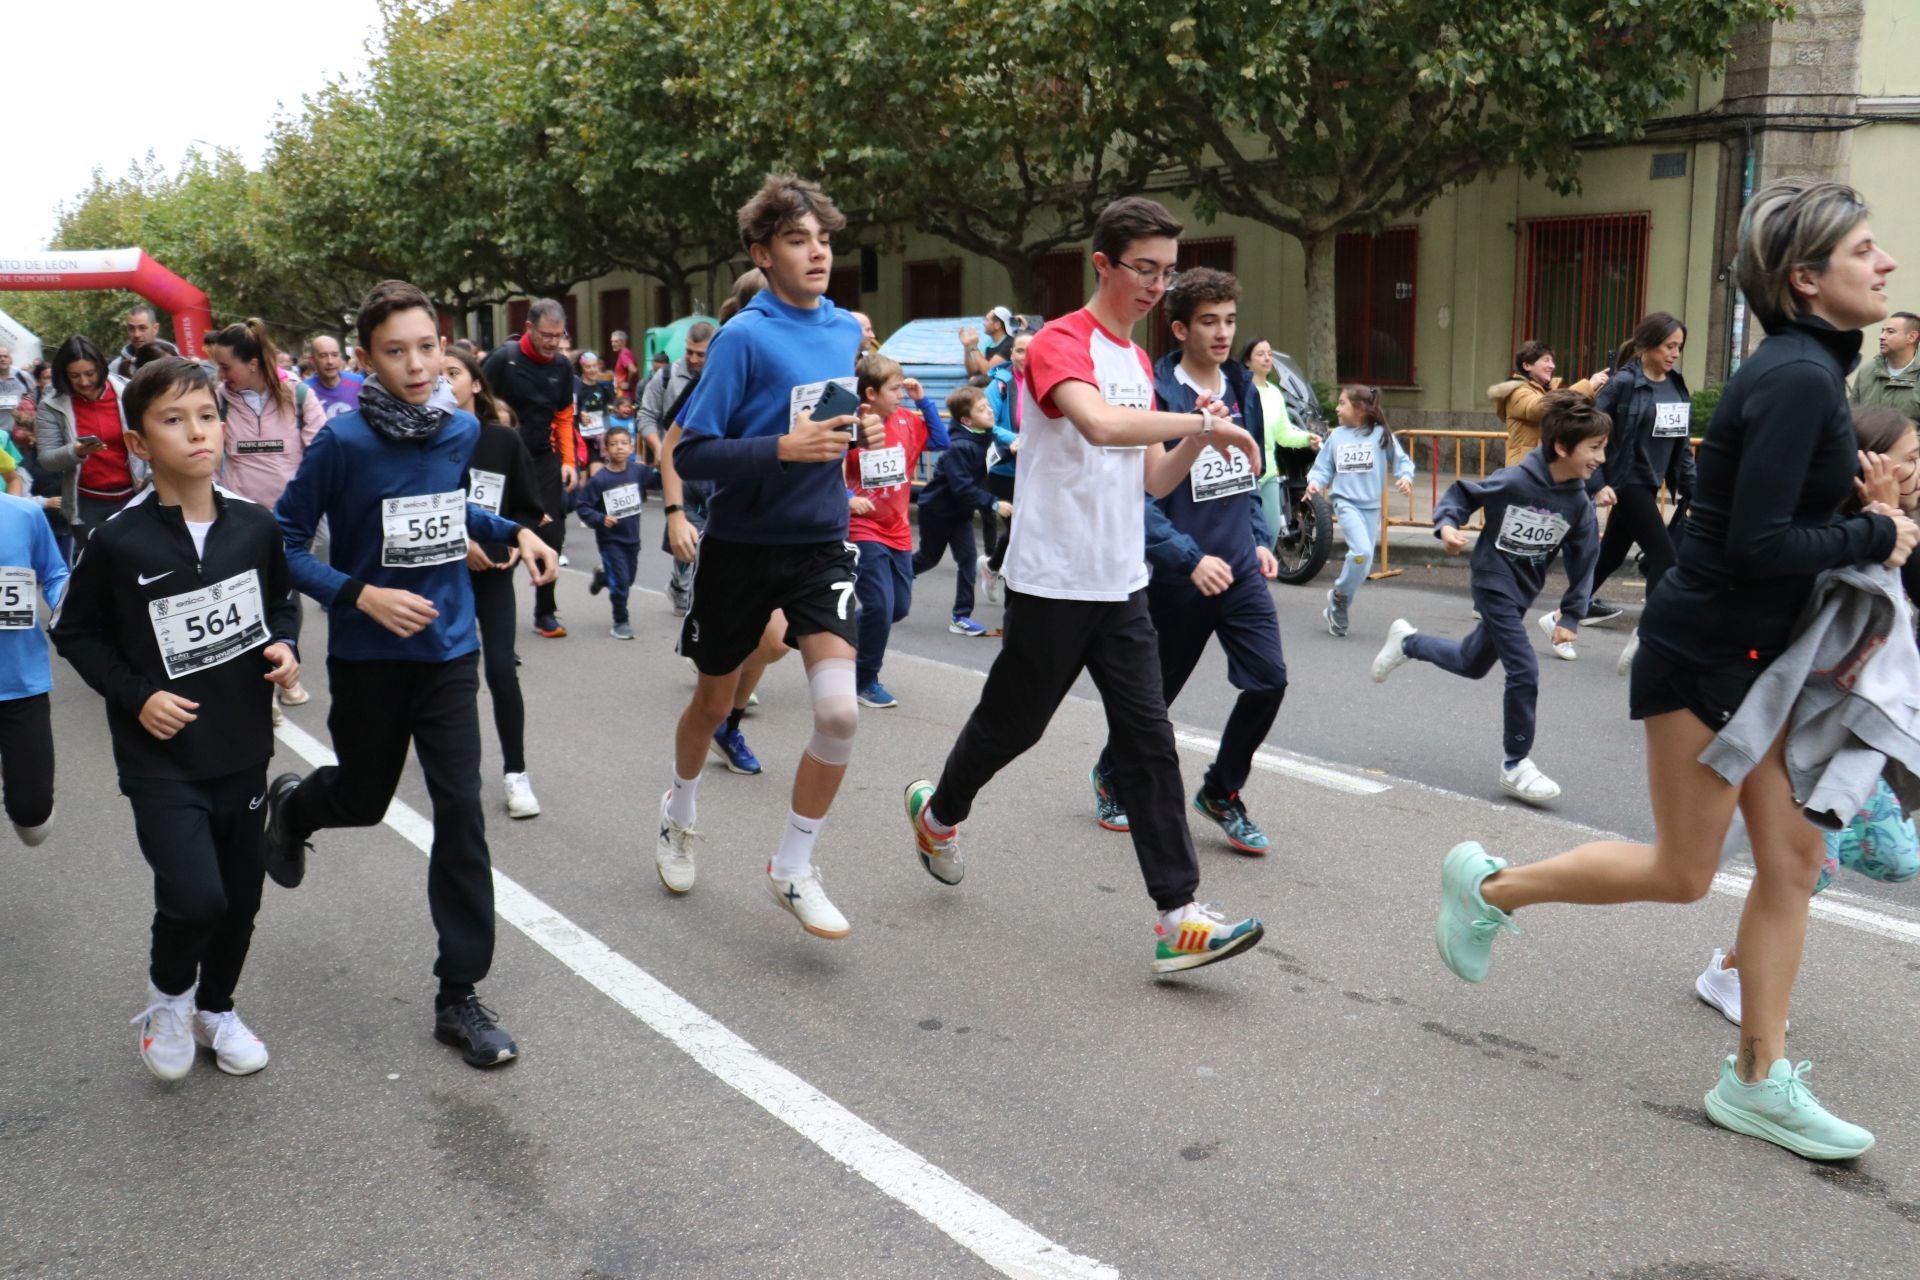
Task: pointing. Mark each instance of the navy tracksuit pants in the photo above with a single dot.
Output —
(1243, 617)
(1501, 637)
(884, 588)
(939, 533)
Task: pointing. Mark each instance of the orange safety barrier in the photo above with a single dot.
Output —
(1470, 447)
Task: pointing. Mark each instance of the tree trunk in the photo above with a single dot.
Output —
(680, 288)
(1323, 363)
(1028, 295)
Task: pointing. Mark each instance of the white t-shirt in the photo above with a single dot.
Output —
(1079, 528)
(198, 532)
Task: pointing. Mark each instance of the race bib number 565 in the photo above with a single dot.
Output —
(426, 530)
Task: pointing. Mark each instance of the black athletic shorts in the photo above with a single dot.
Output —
(1662, 683)
(738, 585)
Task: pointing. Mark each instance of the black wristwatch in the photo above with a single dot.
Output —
(673, 507)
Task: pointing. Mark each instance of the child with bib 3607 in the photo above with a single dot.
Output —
(1352, 471)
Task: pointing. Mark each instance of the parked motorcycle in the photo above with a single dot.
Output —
(1305, 537)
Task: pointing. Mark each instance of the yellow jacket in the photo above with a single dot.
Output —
(1521, 403)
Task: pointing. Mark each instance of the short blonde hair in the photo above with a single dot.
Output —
(876, 370)
(1792, 223)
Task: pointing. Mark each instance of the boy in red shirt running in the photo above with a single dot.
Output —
(879, 485)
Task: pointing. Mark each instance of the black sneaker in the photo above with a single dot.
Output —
(286, 853)
(1599, 611)
(468, 1026)
(599, 582)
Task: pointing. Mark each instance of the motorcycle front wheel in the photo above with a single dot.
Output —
(1303, 549)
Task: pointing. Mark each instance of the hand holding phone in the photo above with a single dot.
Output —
(835, 402)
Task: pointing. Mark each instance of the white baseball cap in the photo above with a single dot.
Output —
(1004, 316)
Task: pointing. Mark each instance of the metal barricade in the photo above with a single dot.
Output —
(1471, 458)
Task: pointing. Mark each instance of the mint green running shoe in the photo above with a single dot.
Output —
(1468, 922)
(1783, 1111)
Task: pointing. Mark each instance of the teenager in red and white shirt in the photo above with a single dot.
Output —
(1076, 571)
(879, 486)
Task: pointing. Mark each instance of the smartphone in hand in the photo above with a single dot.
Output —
(836, 401)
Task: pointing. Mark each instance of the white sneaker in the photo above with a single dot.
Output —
(296, 696)
(988, 581)
(673, 851)
(1720, 987)
(236, 1050)
(805, 899)
(1624, 667)
(1526, 782)
(279, 716)
(1548, 621)
(34, 837)
(521, 802)
(166, 1042)
(1393, 654)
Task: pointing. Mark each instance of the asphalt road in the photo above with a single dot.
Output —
(982, 1080)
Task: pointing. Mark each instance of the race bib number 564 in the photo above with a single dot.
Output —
(200, 629)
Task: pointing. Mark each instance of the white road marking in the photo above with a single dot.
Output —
(1835, 905)
(996, 1237)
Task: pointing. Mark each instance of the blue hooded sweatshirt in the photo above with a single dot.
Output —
(1530, 518)
(1351, 466)
(765, 365)
(1179, 530)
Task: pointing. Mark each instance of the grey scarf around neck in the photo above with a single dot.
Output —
(396, 419)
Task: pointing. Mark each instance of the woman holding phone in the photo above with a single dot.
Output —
(80, 433)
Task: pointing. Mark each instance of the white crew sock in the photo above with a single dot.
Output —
(1171, 919)
(680, 801)
(934, 824)
(795, 857)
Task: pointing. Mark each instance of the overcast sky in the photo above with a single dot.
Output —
(154, 79)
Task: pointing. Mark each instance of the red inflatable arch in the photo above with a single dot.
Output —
(130, 269)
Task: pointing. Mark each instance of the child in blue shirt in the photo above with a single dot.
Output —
(957, 490)
(1532, 511)
(1352, 468)
(31, 566)
(609, 504)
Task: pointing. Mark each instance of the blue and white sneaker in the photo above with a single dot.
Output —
(875, 695)
(731, 746)
(966, 627)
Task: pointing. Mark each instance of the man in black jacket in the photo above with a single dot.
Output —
(536, 380)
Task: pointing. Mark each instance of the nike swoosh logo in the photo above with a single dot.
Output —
(144, 580)
(255, 802)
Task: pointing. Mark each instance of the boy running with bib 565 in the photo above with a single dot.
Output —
(403, 649)
(766, 425)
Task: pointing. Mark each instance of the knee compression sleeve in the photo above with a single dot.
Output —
(835, 711)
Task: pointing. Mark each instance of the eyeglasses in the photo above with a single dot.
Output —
(1151, 272)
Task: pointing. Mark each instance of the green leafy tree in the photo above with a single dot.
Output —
(1323, 116)
(983, 125)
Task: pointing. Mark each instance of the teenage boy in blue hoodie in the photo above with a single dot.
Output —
(776, 536)
(403, 653)
(1211, 556)
(1533, 511)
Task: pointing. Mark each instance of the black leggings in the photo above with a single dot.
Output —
(1635, 518)
(1000, 487)
(26, 759)
(493, 606)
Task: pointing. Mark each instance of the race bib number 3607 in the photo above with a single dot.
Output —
(426, 530)
(200, 629)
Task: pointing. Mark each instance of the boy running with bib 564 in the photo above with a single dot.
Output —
(179, 614)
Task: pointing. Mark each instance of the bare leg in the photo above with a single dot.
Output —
(712, 699)
(1787, 853)
(1692, 808)
(815, 783)
(773, 647)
